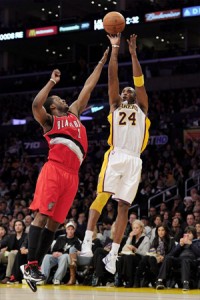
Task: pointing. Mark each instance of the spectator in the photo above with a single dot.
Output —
(152, 214)
(137, 244)
(167, 220)
(11, 245)
(190, 221)
(4, 207)
(3, 233)
(81, 226)
(157, 221)
(184, 256)
(163, 208)
(20, 259)
(149, 266)
(147, 228)
(132, 217)
(176, 229)
(177, 205)
(63, 255)
(107, 224)
(179, 214)
(28, 220)
(73, 214)
(197, 226)
(5, 220)
(109, 212)
(188, 203)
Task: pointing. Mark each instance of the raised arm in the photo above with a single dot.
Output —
(141, 95)
(80, 104)
(113, 80)
(39, 112)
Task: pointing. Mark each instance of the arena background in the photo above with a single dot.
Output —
(37, 36)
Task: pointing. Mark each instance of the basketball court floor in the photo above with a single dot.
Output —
(50, 292)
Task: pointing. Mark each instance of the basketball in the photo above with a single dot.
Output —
(113, 22)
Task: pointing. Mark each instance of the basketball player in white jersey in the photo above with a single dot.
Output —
(121, 169)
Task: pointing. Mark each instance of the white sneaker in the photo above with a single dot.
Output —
(56, 282)
(110, 262)
(86, 249)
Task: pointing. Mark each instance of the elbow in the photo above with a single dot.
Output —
(34, 106)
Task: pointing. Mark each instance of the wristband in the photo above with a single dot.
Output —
(115, 46)
(138, 81)
(51, 79)
(100, 62)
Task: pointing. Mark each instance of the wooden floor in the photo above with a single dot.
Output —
(50, 292)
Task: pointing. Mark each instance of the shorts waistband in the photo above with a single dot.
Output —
(127, 152)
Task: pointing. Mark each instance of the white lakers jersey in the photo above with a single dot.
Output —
(129, 128)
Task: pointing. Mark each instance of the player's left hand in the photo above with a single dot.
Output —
(105, 56)
(132, 43)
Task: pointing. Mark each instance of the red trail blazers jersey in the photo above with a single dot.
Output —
(67, 142)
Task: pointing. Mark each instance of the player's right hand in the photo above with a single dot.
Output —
(56, 75)
(114, 38)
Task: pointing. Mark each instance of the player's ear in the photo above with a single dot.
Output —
(52, 106)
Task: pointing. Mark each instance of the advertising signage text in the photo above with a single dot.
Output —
(11, 36)
(42, 31)
(191, 11)
(74, 27)
(163, 15)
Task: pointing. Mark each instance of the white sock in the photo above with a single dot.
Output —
(115, 248)
(88, 235)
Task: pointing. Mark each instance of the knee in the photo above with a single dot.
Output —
(100, 201)
(11, 255)
(47, 258)
(64, 259)
(52, 225)
(40, 220)
(72, 250)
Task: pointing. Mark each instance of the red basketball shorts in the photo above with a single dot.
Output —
(55, 191)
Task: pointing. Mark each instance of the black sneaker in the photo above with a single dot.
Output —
(95, 280)
(160, 284)
(118, 281)
(186, 286)
(32, 272)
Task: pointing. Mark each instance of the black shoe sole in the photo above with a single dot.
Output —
(32, 285)
(160, 287)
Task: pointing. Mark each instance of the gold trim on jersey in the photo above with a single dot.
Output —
(146, 134)
(110, 138)
(103, 171)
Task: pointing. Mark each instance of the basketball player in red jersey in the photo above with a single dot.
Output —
(58, 180)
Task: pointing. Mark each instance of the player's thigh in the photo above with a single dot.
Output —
(129, 181)
(67, 192)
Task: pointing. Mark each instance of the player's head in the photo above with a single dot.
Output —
(128, 94)
(55, 105)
